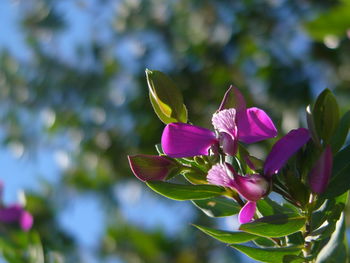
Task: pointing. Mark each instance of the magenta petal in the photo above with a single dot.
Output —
(254, 125)
(284, 149)
(247, 212)
(233, 98)
(321, 172)
(185, 140)
(10, 214)
(26, 220)
(151, 167)
(229, 145)
(221, 174)
(251, 187)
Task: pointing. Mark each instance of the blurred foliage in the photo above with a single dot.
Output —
(87, 99)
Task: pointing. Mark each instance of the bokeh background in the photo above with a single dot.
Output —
(74, 103)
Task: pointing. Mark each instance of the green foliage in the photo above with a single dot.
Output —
(218, 206)
(341, 133)
(270, 255)
(166, 100)
(275, 225)
(183, 192)
(339, 182)
(336, 250)
(227, 236)
(335, 22)
(326, 115)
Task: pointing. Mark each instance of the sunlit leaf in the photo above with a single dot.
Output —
(275, 225)
(227, 236)
(182, 192)
(218, 206)
(271, 255)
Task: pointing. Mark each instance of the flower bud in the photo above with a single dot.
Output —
(321, 172)
(252, 187)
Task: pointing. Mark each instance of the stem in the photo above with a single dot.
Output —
(309, 209)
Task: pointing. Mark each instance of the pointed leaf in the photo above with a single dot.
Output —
(268, 207)
(182, 192)
(341, 133)
(264, 242)
(270, 255)
(218, 206)
(166, 99)
(275, 225)
(227, 236)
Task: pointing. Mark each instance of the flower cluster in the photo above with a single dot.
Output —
(307, 167)
(232, 126)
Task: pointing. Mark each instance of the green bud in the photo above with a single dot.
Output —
(326, 115)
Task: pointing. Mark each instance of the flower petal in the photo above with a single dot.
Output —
(151, 167)
(11, 213)
(284, 149)
(254, 125)
(247, 212)
(26, 220)
(185, 140)
(321, 172)
(233, 98)
(251, 187)
(229, 144)
(221, 174)
(225, 121)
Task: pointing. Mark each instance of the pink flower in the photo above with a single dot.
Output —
(232, 124)
(252, 187)
(15, 214)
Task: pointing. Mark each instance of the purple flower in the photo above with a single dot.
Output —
(15, 214)
(321, 172)
(254, 187)
(152, 167)
(283, 149)
(232, 124)
(251, 187)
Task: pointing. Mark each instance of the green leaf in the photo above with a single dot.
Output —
(339, 182)
(271, 255)
(295, 239)
(218, 206)
(275, 225)
(296, 188)
(182, 192)
(330, 212)
(166, 99)
(227, 236)
(335, 251)
(334, 23)
(341, 133)
(268, 207)
(326, 115)
(264, 242)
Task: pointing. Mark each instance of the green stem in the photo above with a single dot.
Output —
(309, 209)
